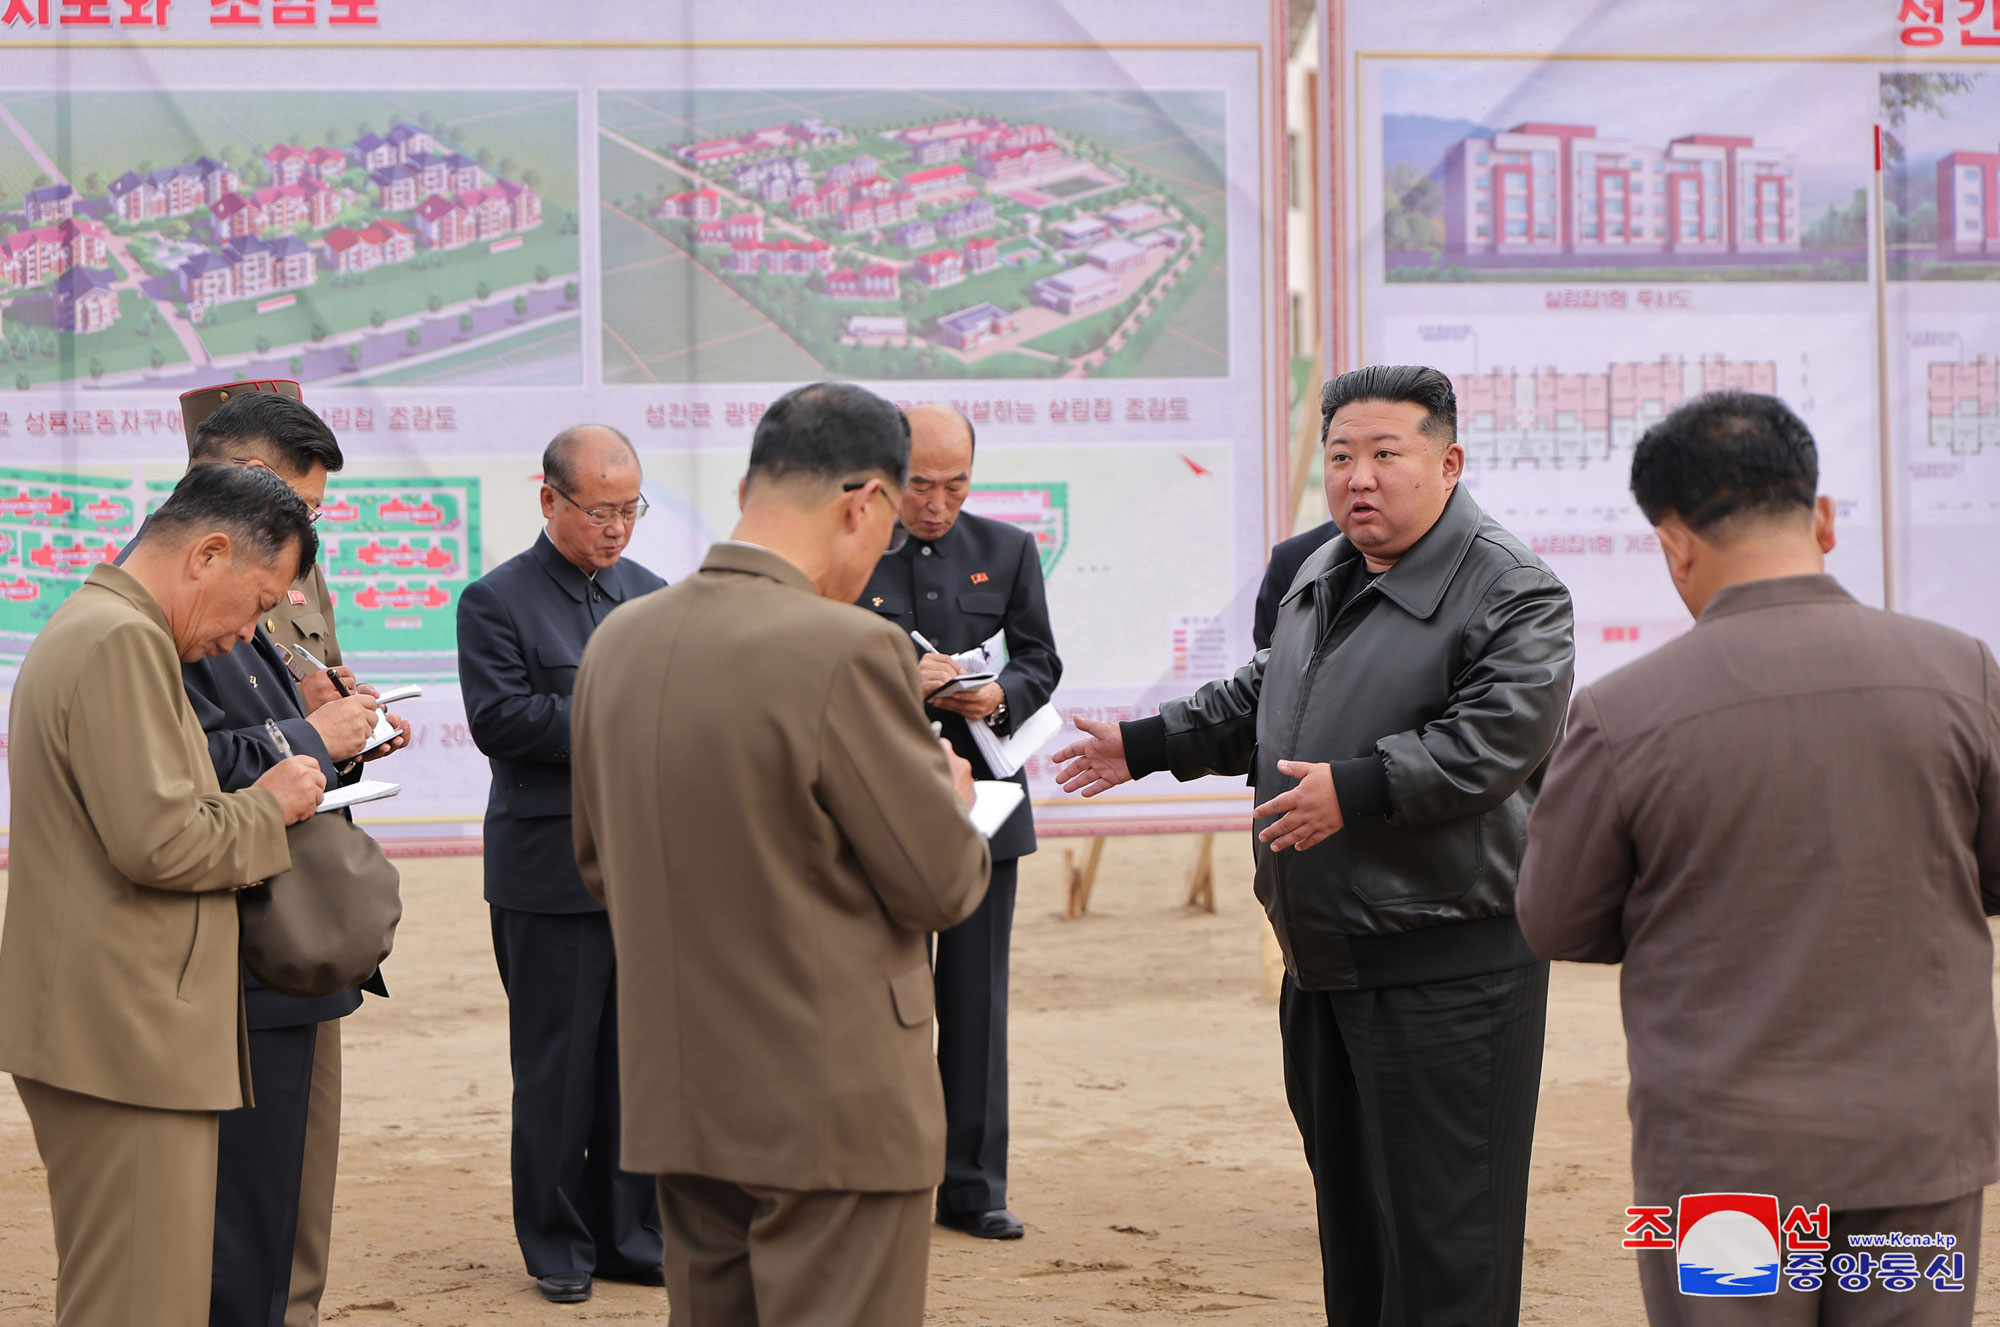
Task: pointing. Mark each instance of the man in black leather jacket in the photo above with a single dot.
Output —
(1397, 730)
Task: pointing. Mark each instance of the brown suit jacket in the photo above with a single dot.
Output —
(118, 962)
(762, 808)
(1786, 825)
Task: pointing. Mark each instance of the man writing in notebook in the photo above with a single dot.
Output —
(276, 1164)
(770, 823)
(959, 582)
(121, 1012)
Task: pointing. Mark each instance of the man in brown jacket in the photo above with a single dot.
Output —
(121, 1012)
(773, 828)
(1786, 825)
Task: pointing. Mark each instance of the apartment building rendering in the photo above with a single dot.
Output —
(1968, 204)
(1561, 190)
(171, 191)
(247, 268)
(84, 300)
(30, 257)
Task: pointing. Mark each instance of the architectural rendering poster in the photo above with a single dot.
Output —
(1665, 206)
(657, 217)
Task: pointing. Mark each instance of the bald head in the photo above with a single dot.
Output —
(590, 468)
(583, 450)
(941, 446)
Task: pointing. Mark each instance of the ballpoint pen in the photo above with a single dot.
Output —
(278, 738)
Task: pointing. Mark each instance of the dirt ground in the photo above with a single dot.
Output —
(1154, 1160)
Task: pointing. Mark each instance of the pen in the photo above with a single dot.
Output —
(929, 648)
(334, 677)
(278, 738)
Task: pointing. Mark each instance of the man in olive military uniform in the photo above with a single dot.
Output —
(270, 1264)
(959, 581)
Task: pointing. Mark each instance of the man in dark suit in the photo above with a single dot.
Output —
(958, 581)
(521, 633)
(1287, 556)
(304, 618)
(269, 1153)
(1785, 824)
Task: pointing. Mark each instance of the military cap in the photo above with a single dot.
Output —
(199, 404)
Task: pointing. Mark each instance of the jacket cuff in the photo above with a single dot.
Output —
(1145, 745)
(1362, 786)
(1008, 721)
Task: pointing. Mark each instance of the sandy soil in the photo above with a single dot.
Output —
(1154, 1159)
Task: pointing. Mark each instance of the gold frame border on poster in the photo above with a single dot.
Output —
(1273, 326)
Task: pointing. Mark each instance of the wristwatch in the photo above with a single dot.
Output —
(999, 714)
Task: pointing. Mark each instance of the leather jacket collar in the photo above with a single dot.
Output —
(1418, 581)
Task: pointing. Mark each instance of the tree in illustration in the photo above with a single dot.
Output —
(1927, 94)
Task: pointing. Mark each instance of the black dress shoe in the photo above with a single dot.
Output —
(564, 1287)
(644, 1276)
(996, 1224)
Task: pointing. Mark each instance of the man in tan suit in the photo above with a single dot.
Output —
(1786, 825)
(276, 1165)
(121, 1012)
(772, 826)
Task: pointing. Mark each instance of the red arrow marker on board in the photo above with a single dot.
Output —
(1198, 469)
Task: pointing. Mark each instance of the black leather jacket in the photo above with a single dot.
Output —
(1457, 685)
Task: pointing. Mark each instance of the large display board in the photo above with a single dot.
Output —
(1587, 214)
(464, 227)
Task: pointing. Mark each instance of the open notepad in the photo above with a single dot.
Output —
(1005, 755)
(368, 790)
(992, 802)
(384, 730)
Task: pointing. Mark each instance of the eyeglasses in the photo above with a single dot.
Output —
(603, 516)
(312, 513)
(898, 536)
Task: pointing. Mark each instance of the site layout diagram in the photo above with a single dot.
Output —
(912, 235)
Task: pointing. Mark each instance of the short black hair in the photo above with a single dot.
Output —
(296, 438)
(1722, 455)
(253, 506)
(1416, 384)
(831, 431)
(559, 457)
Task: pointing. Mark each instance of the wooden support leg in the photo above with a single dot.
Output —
(1201, 882)
(1081, 878)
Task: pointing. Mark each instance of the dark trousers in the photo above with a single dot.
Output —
(1417, 1106)
(972, 1049)
(260, 1160)
(574, 1210)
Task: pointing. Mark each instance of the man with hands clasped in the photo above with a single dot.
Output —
(1396, 732)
